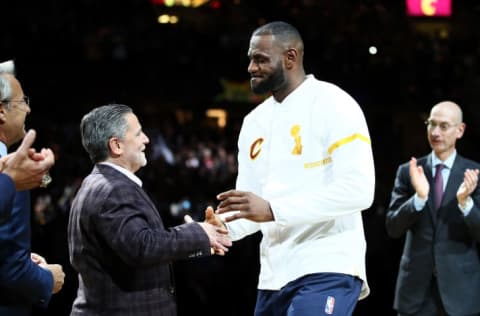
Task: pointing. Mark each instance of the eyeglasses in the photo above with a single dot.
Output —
(25, 100)
(444, 126)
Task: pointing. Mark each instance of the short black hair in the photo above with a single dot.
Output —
(282, 32)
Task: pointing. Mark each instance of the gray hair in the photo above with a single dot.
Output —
(7, 67)
(101, 124)
(283, 33)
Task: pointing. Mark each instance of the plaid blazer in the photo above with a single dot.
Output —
(121, 250)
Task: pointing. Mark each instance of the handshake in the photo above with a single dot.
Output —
(234, 204)
(216, 231)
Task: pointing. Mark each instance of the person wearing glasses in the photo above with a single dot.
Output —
(26, 278)
(435, 206)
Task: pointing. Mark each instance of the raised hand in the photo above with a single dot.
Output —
(26, 166)
(469, 184)
(418, 179)
(244, 205)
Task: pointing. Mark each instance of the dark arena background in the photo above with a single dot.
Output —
(182, 66)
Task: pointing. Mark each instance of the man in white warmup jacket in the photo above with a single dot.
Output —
(306, 172)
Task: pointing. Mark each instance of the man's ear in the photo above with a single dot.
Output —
(3, 110)
(460, 130)
(114, 146)
(291, 56)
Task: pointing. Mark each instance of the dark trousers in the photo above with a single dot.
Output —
(433, 303)
(312, 295)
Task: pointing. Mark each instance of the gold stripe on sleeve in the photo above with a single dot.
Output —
(319, 163)
(347, 140)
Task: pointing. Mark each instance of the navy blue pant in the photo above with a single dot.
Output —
(312, 295)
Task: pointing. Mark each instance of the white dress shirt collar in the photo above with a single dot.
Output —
(448, 162)
(126, 172)
(3, 149)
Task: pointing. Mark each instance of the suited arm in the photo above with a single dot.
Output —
(7, 189)
(18, 272)
(21, 275)
(473, 218)
(401, 213)
(129, 232)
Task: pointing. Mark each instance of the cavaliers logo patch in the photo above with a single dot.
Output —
(256, 148)
(295, 132)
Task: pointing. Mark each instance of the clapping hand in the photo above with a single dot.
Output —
(25, 166)
(469, 184)
(418, 179)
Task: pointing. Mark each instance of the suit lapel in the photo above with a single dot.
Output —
(123, 178)
(149, 201)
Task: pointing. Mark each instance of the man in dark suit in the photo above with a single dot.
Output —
(117, 240)
(25, 278)
(435, 202)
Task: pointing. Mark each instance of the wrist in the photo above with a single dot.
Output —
(422, 196)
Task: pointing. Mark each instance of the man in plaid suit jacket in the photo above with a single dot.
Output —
(117, 241)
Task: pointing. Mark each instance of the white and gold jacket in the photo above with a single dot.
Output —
(310, 156)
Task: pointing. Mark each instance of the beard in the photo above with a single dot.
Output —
(137, 161)
(142, 159)
(271, 83)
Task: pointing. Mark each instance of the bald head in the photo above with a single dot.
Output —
(445, 126)
(449, 109)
